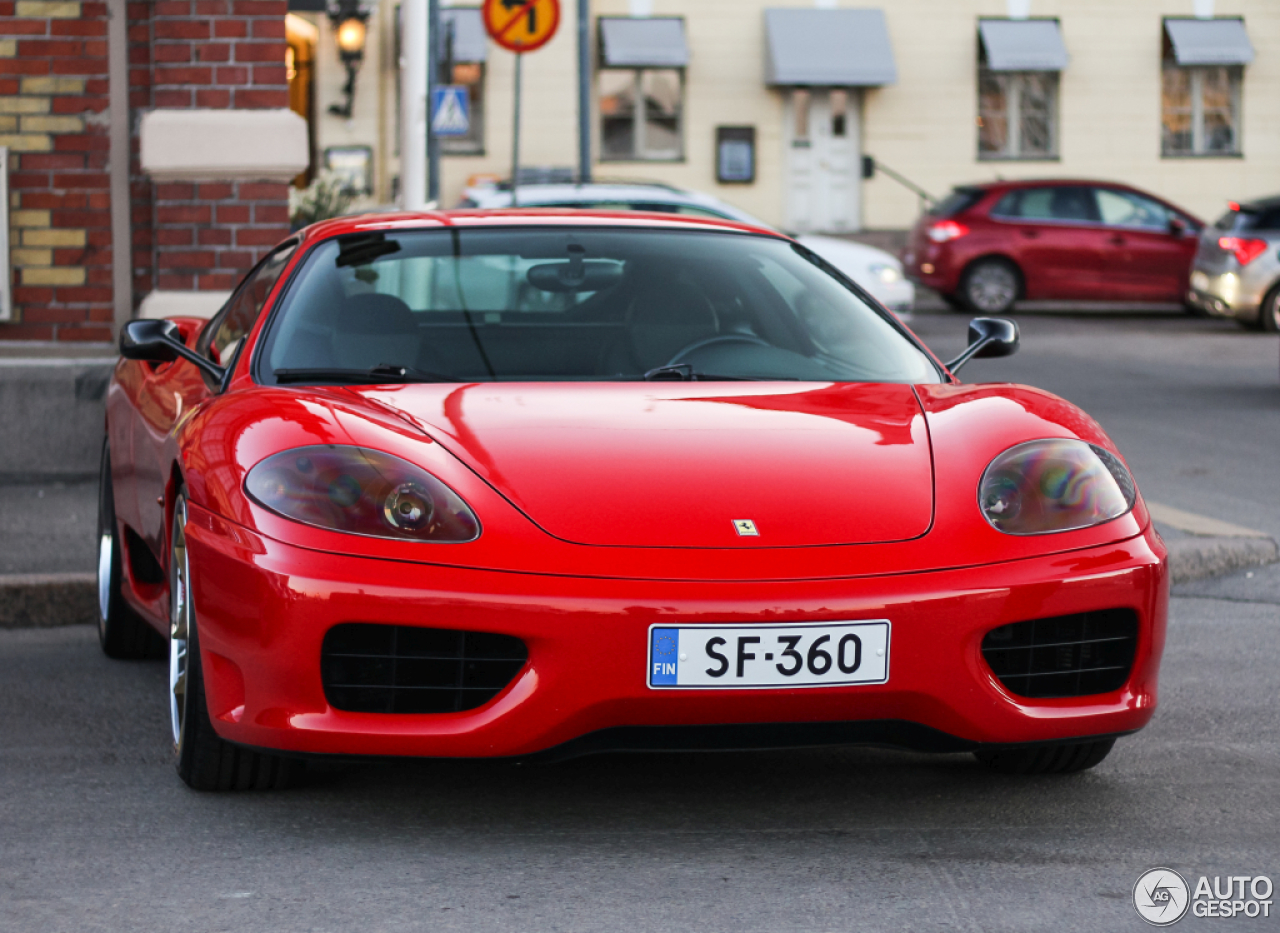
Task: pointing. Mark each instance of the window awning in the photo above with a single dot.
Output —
(831, 48)
(470, 41)
(643, 42)
(1209, 41)
(1023, 44)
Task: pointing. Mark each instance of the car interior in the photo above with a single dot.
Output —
(556, 305)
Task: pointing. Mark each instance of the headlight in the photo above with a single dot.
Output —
(1054, 485)
(885, 273)
(361, 492)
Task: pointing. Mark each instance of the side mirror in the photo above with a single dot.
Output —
(988, 337)
(1177, 226)
(161, 342)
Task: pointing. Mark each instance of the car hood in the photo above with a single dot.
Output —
(680, 464)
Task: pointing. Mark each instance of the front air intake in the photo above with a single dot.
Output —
(1064, 656)
(369, 668)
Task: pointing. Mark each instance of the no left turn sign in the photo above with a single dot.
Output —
(521, 25)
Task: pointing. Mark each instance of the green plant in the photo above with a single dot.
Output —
(327, 196)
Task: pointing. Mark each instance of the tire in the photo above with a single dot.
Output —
(122, 633)
(990, 286)
(204, 761)
(1269, 312)
(1046, 759)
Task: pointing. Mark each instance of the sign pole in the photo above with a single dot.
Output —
(584, 91)
(515, 138)
(519, 26)
(433, 81)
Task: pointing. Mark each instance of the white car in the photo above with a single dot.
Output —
(880, 273)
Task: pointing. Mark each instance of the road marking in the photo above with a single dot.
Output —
(1194, 524)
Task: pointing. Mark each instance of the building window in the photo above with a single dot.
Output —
(1200, 111)
(1017, 114)
(641, 114)
(471, 76)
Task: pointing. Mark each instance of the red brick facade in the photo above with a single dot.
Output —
(208, 55)
(53, 103)
(183, 54)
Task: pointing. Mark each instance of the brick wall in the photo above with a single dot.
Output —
(53, 102)
(216, 55)
(185, 54)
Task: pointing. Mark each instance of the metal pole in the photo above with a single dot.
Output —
(414, 125)
(515, 138)
(433, 80)
(584, 91)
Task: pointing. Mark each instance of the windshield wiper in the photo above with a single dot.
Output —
(381, 373)
(683, 372)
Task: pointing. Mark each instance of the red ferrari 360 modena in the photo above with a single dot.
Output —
(506, 484)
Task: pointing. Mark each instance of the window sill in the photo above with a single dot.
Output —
(1202, 155)
(991, 157)
(614, 160)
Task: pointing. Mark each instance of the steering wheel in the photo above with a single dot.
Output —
(705, 342)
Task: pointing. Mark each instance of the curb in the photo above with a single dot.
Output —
(1197, 558)
(44, 600)
(55, 599)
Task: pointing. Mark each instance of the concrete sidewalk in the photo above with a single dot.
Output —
(52, 397)
(48, 553)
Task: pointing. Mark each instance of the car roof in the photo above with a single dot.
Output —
(1260, 204)
(1011, 183)
(522, 217)
(548, 193)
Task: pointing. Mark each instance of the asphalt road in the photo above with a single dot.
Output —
(97, 833)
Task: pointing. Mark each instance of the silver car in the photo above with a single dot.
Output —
(880, 273)
(1236, 272)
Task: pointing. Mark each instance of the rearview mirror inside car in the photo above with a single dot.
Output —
(576, 275)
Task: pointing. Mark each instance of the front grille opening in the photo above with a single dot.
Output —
(1065, 656)
(368, 668)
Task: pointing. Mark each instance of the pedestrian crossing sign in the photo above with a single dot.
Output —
(451, 110)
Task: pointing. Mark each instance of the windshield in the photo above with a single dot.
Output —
(577, 303)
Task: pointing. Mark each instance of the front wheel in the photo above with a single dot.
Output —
(990, 286)
(205, 762)
(1067, 758)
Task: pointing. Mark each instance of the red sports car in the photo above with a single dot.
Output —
(487, 484)
(986, 246)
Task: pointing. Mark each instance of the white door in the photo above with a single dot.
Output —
(823, 159)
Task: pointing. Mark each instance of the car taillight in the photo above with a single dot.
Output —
(1245, 251)
(945, 230)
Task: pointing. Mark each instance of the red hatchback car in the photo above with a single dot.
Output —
(986, 246)
(486, 484)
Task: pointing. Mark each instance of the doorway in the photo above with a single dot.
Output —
(823, 170)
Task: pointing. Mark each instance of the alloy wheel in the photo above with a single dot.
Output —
(992, 288)
(180, 621)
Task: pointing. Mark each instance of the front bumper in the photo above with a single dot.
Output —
(263, 609)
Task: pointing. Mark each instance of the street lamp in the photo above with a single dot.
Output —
(349, 18)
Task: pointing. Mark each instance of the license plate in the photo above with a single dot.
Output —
(825, 654)
(1200, 281)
